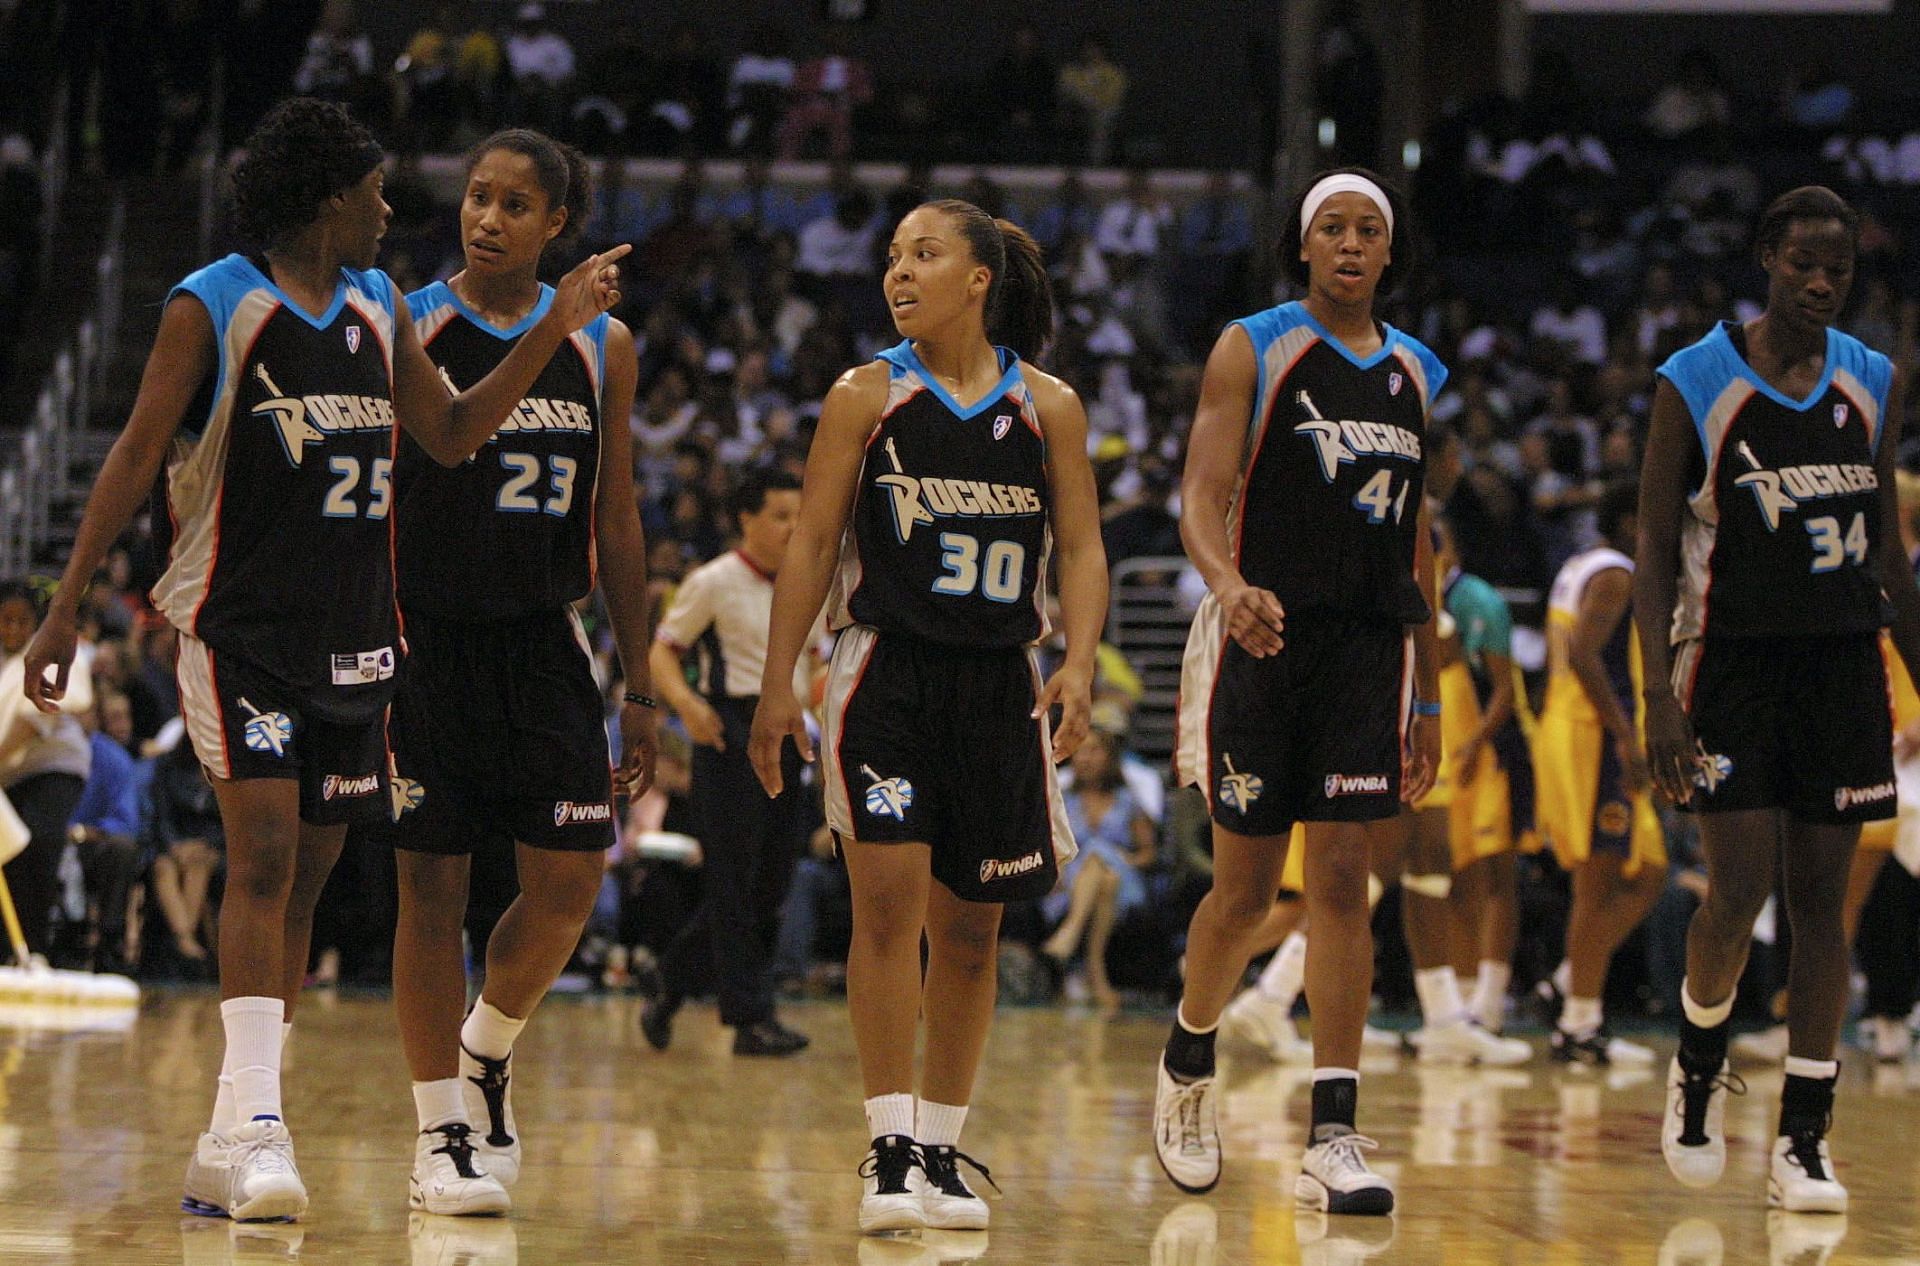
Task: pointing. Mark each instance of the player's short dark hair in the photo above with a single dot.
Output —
(1401, 244)
(1808, 202)
(749, 495)
(1619, 501)
(304, 152)
(561, 169)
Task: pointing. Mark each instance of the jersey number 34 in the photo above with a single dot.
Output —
(1830, 549)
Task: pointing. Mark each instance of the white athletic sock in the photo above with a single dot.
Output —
(938, 1123)
(1704, 1015)
(1286, 972)
(253, 1055)
(890, 1114)
(1563, 977)
(1439, 991)
(489, 1031)
(1490, 988)
(1581, 1017)
(438, 1102)
(224, 1117)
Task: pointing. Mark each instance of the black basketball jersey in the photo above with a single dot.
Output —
(949, 538)
(1784, 518)
(509, 532)
(1328, 506)
(278, 496)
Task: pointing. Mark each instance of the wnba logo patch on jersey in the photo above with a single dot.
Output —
(1001, 425)
(572, 813)
(343, 787)
(996, 868)
(1356, 785)
(353, 338)
(1395, 381)
(1839, 416)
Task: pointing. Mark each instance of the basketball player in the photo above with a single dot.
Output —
(270, 399)
(1594, 791)
(497, 722)
(1304, 514)
(1767, 558)
(942, 477)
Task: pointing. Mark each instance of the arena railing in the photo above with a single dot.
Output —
(40, 474)
(1147, 621)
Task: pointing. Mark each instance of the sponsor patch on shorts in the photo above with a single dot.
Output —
(578, 812)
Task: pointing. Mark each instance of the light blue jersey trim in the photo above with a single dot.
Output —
(903, 357)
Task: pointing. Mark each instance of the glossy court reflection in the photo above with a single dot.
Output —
(694, 1156)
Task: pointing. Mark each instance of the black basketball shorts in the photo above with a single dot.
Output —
(1312, 734)
(1803, 724)
(498, 729)
(244, 723)
(931, 744)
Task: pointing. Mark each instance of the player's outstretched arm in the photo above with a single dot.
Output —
(183, 357)
(452, 428)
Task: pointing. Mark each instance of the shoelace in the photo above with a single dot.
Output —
(266, 1156)
(1696, 1091)
(1192, 1099)
(492, 1082)
(1343, 1154)
(938, 1163)
(888, 1167)
(457, 1148)
(1804, 1147)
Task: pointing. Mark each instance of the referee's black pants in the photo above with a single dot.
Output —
(1888, 942)
(750, 844)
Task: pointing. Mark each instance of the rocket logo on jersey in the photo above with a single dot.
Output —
(1339, 443)
(887, 797)
(1781, 492)
(266, 731)
(303, 420)
(1710, 769)
(1238, 791)
(917, 501)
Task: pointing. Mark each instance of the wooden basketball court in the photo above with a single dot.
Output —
(695, 1156)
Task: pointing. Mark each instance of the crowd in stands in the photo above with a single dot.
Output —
(1570, 253)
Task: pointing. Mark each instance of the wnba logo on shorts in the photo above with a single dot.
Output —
(1846, 797)
(995, 868)
(1356, 785)
(346, 788)
(567, 813)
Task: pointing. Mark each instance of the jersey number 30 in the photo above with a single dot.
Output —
(998, 580)
(1830, 549)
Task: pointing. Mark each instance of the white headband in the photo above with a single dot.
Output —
(1345, 182)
